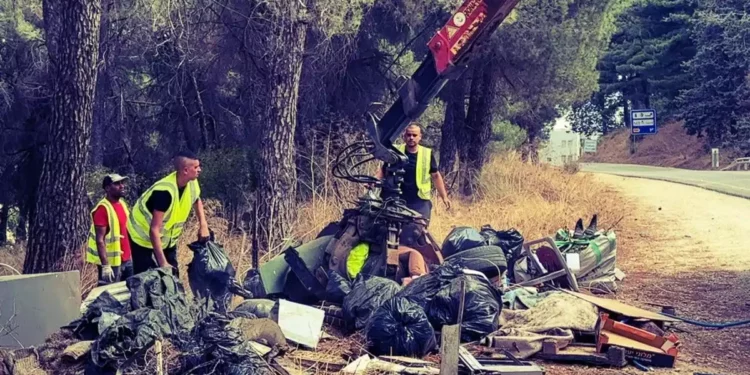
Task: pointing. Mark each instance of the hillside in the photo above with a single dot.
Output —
(671, 147)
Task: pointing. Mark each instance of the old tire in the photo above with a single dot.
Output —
(488, 260)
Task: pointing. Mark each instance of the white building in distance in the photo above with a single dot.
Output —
(563, 146)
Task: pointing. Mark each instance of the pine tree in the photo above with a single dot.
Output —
(717, 105)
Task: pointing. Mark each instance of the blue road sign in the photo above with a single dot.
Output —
(643, 121)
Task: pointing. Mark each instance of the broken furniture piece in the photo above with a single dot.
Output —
(548, 264)
(509, 365)
(26, 310)
(585, 354)
(639, 345)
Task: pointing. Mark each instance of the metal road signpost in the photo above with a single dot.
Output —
(643, 121)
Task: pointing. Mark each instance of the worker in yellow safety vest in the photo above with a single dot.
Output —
(108, 244)
(420, 173)
(159, 216)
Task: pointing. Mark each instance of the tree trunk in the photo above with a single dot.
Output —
(102, 112)
(58, 226)
(23, 221)
(4, 211)
(205, 145)
(455, 116)
(479, 123)
(277, 187)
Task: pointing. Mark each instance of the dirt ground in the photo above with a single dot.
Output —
(684, 247)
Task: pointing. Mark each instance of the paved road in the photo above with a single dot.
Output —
(735, 183)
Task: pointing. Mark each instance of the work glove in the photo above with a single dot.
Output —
(108, 274)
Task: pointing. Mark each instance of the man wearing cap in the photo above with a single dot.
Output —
(160, 214)
(108, 245)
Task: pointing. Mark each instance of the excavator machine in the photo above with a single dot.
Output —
(381, 220)
(452, 48)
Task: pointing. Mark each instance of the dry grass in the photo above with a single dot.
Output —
(671, 147)
(535, 199)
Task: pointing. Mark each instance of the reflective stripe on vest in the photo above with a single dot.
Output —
(111, 240)
(423, 178)
(174, 217)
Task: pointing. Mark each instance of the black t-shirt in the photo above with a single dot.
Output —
(160, 200)
(409, 191)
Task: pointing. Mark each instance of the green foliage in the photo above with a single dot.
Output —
(548, 58)
(716, 104)
(506, 136)
(644, 66)
(600, 114)
(646, 59)
(228, 175)
(339, 17)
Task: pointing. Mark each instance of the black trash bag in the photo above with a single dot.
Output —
(400, 327)
(260, 308)
(460, 239)
(482, 306)
(105, 306)
(211, 274)
(365, 297)
(160, 290)
(337, 288)
(424, 288)
(134, 331)
(214, 347)
(511, 241)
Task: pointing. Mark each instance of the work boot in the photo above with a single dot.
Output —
(578, 232)
(591, 230)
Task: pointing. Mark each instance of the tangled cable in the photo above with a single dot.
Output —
(352, 157)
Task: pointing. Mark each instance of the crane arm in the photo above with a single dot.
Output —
(452, 48)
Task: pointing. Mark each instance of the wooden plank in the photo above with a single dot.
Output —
(406, 361)
(578, 354)
(622, 308)
(450, 337)
(549, 347)
(159, 358)
(450, 340)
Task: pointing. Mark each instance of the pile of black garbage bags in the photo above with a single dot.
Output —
(404, 321)
(486, 250)
(158, 310)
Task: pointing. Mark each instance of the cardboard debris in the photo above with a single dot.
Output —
(622, 308)
(261, 349)
(358, 366)
(300, 323)
(77, 350)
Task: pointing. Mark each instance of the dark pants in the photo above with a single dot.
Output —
(122, 272)
(423, 207)
(144, 259)
(410, 233)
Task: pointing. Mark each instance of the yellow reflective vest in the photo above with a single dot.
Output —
(423, 178)
(111, 239)
(139, 225)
